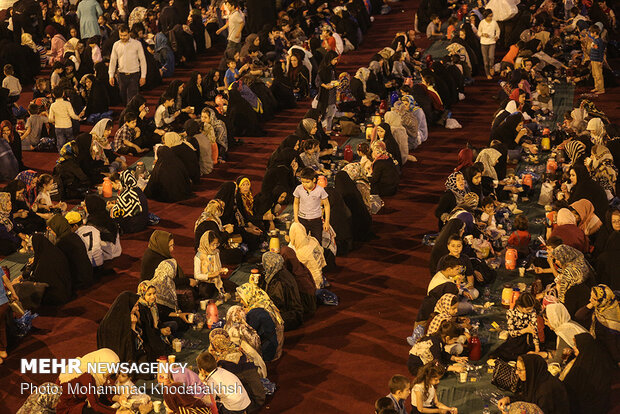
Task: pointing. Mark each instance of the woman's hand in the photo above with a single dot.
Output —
(146, 408)
(166, 331)
(528, 330)
(228, 228)
(460, 360)
(503, 403)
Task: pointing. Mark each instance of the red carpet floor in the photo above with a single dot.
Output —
(341, 360)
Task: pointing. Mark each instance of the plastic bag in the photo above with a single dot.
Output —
(452, 123)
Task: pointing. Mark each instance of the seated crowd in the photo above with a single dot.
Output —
(562, 334)
(283, 60)
(290, 55)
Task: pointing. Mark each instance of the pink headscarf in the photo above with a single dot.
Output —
(590, 223)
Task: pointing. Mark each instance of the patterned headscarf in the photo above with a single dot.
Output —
(574, 269)
(209, 259)
(248, 198)
(163, 281)
(575, 150)
(489, 157)
(470, 201)
(210, 213)
(255, 297)
(128, 201)
(354, 169)
(606, 309)
(238, 328)
(443, 310)
(272, 263)
(5, 211)
(143, 287)
(222, 348)
(344, 88)
(451, 186)
(603, 169)
(67, 152)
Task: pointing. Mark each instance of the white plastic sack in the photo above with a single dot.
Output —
(452, 123)
(503, 9)
(546, 194)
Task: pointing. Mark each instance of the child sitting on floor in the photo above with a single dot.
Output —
(400, 388)
(310, 156)
(43, 202)
(522, 329)
(383, 403)
(521, 237)
(365, 153)
(424, 393)
(431, 348)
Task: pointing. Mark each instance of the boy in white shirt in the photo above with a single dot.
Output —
(61, 113)
(309, 198)
(11, 83)
(231, 396)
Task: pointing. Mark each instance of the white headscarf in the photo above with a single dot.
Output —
(562, 325)
(488, 157)
(103, 355)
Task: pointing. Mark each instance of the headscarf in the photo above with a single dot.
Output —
(565, 216)
(71, 47)
(344, 88)
(159, 242)
(466, 159)
(470, 201)
(222, 348)
(272, 264)
(248, 198)
(204, 250)
(362, 74)
(238, 328)
(172, 139)
(163, 281)
(575, 150)
(98, 359)
(128, 201)
(50, 30)
(536, 374)
(98, 133)
(601, 155)
(379, 147)
(308, 124)
(5, 211)
(596, 127)
(393, 119)
(603, 169)
(59, 225)
(606, 309)
(452, 187)
(590, 223)
(255, 297)
(27, 41)
(98, 215)
(209, 213)
(574, 269)
(560, 322)
(442, 308)
(489, 157)
(143, 287)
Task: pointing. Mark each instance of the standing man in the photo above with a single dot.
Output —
(128, 54)
(235, 23)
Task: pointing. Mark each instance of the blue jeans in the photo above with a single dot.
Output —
(63, 135)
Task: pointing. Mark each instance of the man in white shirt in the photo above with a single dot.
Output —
(488, 32)
(235, 23)
(127, 64)
(232, 398)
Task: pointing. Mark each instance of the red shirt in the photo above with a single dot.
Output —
(74, 403)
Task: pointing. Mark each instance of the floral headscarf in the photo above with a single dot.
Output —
(272, 263)
(209, 213)
(209, 259)
(574, 269)
(606, 309)
(222, 348)
(344, 88)
(255, 297)
(452, 187)
(163, 281)
(443, 310)
(603, 169)
(354, 169)
(100, 142)
(238, 328)
(5, 211)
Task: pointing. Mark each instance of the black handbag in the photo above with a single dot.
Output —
(505, 376)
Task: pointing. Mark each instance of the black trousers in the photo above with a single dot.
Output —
(128, 85)
(314, 227)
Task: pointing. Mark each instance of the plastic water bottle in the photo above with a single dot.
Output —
(486, 410)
